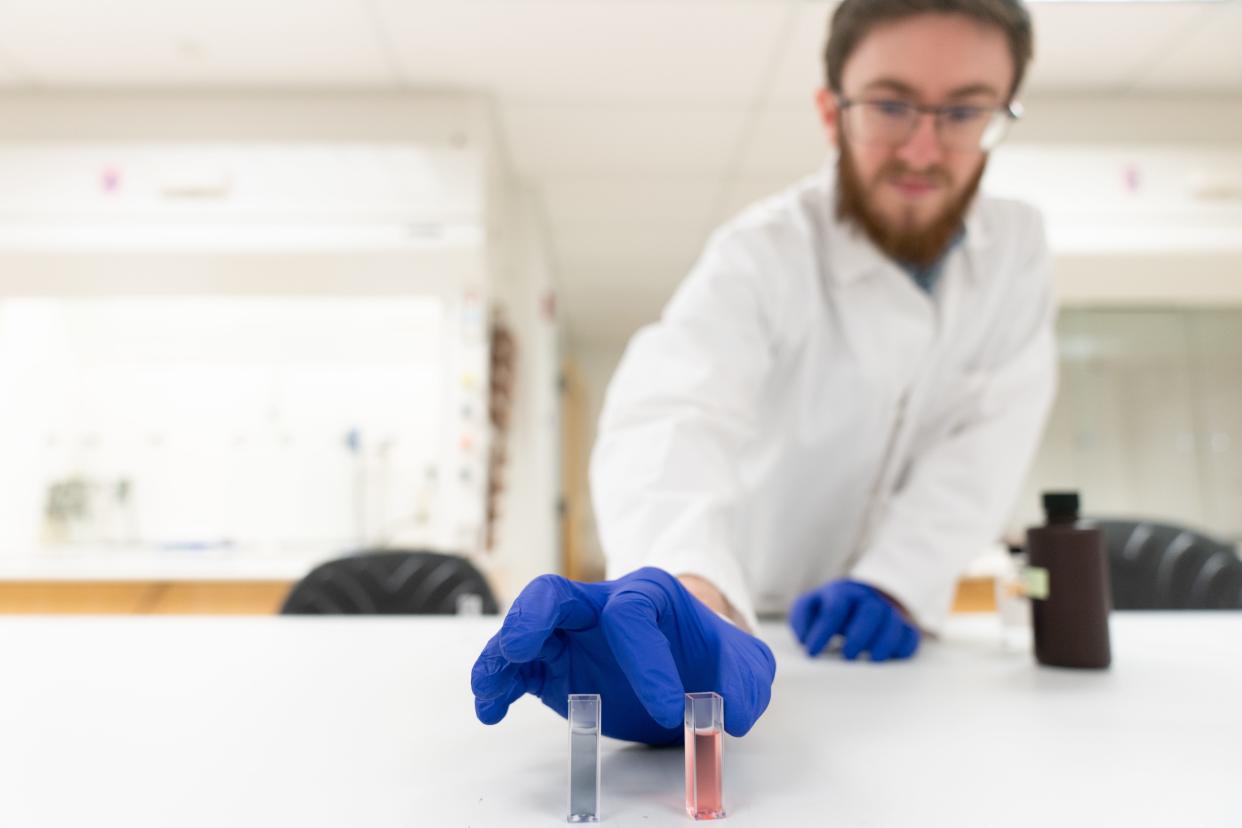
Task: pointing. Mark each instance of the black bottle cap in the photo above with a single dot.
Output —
(1061, 507)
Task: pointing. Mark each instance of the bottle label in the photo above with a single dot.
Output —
(1035, 582)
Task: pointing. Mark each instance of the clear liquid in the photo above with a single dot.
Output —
(1013, 607)
(703, 775)
(583, 776)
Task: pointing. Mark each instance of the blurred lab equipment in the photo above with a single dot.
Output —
(1163, 566)
(1067, 581)
(1012, 604)
(392, 582)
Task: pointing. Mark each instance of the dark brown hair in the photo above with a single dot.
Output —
(854, 19)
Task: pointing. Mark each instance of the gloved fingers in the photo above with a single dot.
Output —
(863, 628)
(909, 643)
(802, 614)
(629, 621)
(834, 615)
(497, 682)
(746, 685)
(547, 604)
(492, 675)
(889, 638)
(491, 711)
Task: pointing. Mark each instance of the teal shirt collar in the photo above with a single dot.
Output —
(926, 277)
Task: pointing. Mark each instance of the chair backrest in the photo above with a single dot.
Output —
(1161, 566)
(392, 582)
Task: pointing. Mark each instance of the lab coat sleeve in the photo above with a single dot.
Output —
(664, 476)
(958, 492)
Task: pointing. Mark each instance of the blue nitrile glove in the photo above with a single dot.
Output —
(867, 620)
(642, 642)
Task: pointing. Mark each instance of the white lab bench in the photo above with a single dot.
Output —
(319, 721)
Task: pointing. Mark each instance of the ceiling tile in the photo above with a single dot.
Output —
(609, 140)
(611, 306)
(204, 43)
(785, 144)
(801, 70)
(605, 199)
(616, 286)
(616, 277)
(584, 50)
(748, 189)
(599, 323)
(1209, 58)
(1071, 54)
(639, 249)
(787, 140)
(1101, 46)
(11, 73)
(1126, 119)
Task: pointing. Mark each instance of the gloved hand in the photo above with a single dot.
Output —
(868, 621)
(641, 642)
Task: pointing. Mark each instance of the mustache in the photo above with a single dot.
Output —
(919, 246)
(895, 169)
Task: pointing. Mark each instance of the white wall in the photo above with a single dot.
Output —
(518, 276)
(226, 419)
(527, 538)
(1148, 421)
(595, 363)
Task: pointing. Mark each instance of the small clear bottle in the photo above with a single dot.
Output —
(1012, 604)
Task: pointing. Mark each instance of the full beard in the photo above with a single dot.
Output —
(917, 246)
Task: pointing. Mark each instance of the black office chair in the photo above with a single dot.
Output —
(392, 582)
(1161, 566)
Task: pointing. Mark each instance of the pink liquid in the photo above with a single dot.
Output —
(703, 788)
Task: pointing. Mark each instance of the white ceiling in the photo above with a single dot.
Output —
(638, 124)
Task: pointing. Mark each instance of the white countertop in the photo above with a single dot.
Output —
(368, 723)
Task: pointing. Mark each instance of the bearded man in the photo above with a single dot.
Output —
(836, 409)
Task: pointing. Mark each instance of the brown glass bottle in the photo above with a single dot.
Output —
(1069, 614)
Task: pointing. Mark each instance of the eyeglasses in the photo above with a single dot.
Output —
(891, 123)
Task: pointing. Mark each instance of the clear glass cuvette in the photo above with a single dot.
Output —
(584, 719)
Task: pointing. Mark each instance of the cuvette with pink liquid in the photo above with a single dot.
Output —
(704, 740)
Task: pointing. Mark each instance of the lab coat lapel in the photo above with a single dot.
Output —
(887, 321)
(964, 275)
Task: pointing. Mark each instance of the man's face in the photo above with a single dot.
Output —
(910, 198)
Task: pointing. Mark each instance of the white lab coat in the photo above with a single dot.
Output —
(803, 411)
